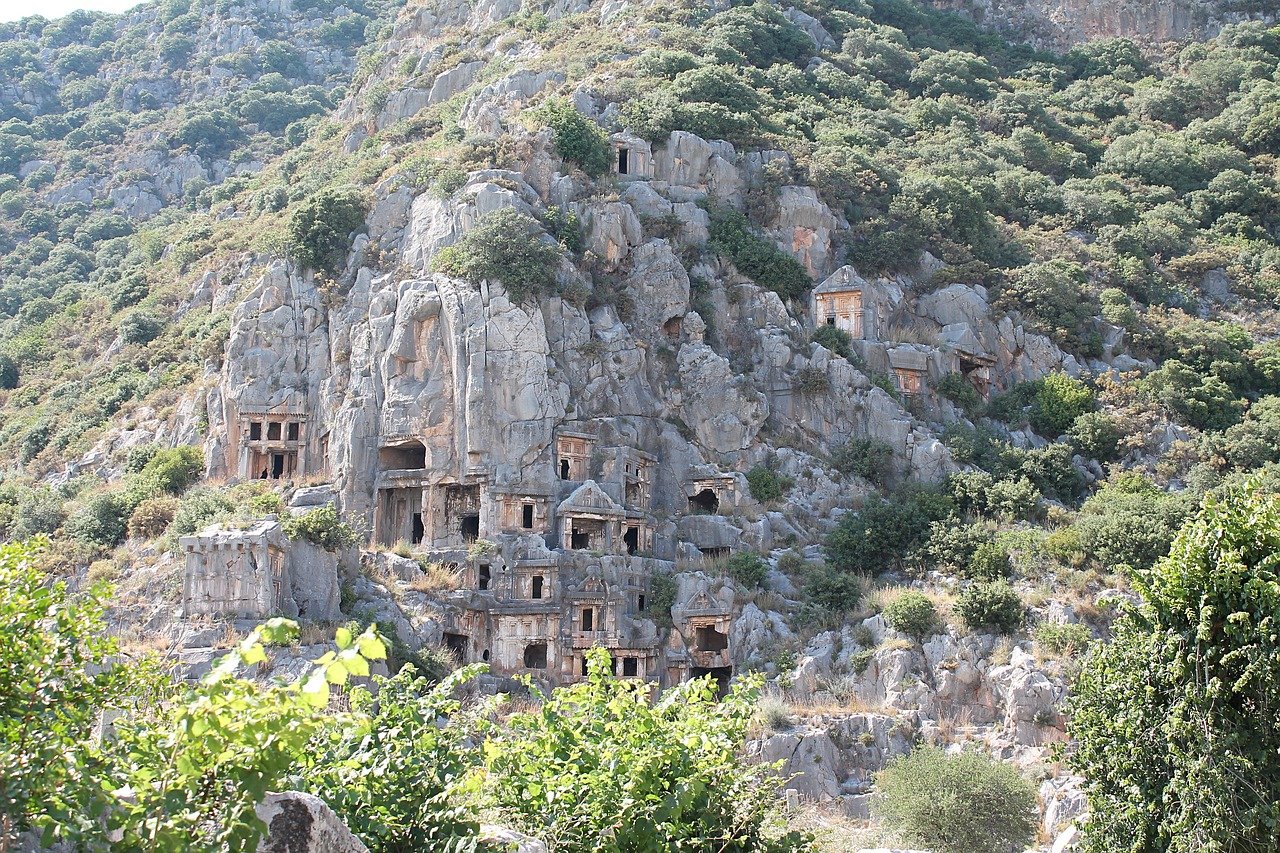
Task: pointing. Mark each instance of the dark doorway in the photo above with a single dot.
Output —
(419, 530)
(564, 469)
(255, 431)
(526, 517)
(588, 619)
(721, 675)
(630, 666)
(470, 528)
(624, 161)
(484, 577)
(715, 553)
(704, 502)
(535, 656)
(632, 538)
(457, 646)
(579, 539)
(711, 640)
(537, 586)
(640, 603)
(295, 429)
(273, 431)
(277, 466)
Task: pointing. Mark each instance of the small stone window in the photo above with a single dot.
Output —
(485, 577)
(536, 592)
(630, 666)
(588, 619)
(564, 469)
(295, 430)
(273, 431)
(624, 161)
(526, 516)
(711, 640)
(255, 431)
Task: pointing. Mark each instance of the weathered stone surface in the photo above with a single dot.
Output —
(303, 823)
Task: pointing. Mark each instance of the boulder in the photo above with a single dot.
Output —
(302, 823)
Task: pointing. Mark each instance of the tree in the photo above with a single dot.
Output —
(54, 681)
(319, 231)
(1059, 400)
(962, 803)
(1175, 716)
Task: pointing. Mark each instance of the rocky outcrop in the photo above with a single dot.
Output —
(303, 823)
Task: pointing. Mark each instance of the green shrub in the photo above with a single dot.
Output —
(756, 257)
(766, 484)
(747, 568)
(1062, 638)
(870, 458)
(990, 605)
(831, 590)
(504, 246)
(1096, 435)
(1058, 401)
(1130, 522)
(576, 137)
(100, 520)
(199, 508)
(950, 547)
(1167, 715)
(911, 613)
(989, 562)
(884, 532)
(152, 517)
(956, 803)
(175, 469)
(140, 327)
(321, 527)
(563, 769)
(318, 234)
(835, 339)
(1204, 402)
(960, 391)
(663, 589)
(1016, 497)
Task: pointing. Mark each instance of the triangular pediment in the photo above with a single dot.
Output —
(590, 497)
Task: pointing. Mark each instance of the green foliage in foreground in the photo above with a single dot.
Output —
(1176, 716)
(965, 803)
(505, 246)
(598, 766)
(601, 767)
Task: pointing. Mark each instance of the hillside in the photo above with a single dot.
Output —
(849, 343)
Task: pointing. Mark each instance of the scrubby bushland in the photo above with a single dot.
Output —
(835, 339)
(1170, 716)
(870, 458)
(766, 484)
(319, 231)
(961, 803)
(747, 568)
(879, 536)
(755, 256)
(505, 246)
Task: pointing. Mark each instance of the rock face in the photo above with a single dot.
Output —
(1064, 23)
(302, 823)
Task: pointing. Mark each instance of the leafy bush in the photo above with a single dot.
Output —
(100, 520)
(321, 527)
(197, 509)
(989, 562)
(576, 137)
(1058, 401)
(1096, 434)
(884, 532)
(756, 257)
(960, 391)
(140, 327)
(1054, 295)
(950, 547)
(747, 568)
(1204, 402)
(956, 803)
(1062, 638)
(174, 470)
(835, 339)
(766, 484)
(1166, 715)
(990, 605)
(911, 613)
(1015, 497)
(504, 246)
(870, 458)
(396, 780)
(1130, 522)
(318, 234)
(831, 590)
(152, 517)
(565, 769)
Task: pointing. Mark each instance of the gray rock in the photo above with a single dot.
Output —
(302, 823)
